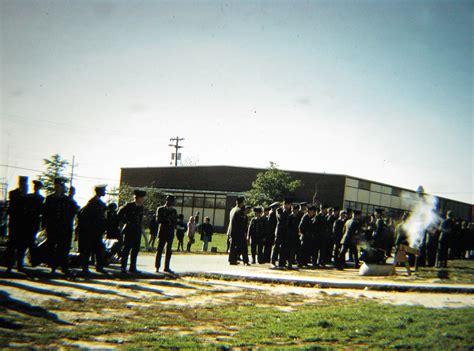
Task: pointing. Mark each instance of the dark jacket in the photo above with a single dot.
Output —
(237, 224)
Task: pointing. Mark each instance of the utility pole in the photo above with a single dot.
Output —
(176, 156)
(72, 169)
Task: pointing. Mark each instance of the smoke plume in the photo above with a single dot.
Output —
(422, 216)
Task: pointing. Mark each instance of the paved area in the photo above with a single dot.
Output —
(217, 267)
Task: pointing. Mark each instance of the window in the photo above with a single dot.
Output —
(188, 201)
(376, 187)
(352, 182)
(179, 200)
(364, 185)
(363, 196)
(199, 201)
(220, 201)
(396, 192)
(210, 201)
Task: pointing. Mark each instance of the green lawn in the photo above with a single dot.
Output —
(257, 319)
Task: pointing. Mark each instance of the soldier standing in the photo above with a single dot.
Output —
(349, 240)
(131, 215)
(321, 237)
(337, 230)
(255, 235)
(270, 227)
(57, 215)
(294, 243)
(167, 217)
(34, 212)
(306, 228)
(281, 248)
(332, 217)
(237, 232)
(446, 230)
(378, 236)
(91, 228)
(17, 219)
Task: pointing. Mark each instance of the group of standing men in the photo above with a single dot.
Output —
(289, 235)
(60, 217)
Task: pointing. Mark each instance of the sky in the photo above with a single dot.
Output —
(381, 90)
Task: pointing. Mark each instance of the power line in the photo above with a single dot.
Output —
(75, 175)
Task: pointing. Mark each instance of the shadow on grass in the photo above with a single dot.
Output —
(33, 289)
(74, 285)
(19, 306)
(135, 287)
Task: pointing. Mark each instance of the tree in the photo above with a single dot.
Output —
(55, 167)
(270, 186)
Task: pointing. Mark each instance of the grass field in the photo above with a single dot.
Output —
(249, 320)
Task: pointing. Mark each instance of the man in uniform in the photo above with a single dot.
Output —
(58, 216)
(34, 212)
(321, 237)
(331, 218)
(255, 235)
(337, 231)
(167, 217)
(281, 248)
(237, 232)
(16, 225)
(131, 215)
(270, 227)
(349, 240)
(446, 229)
(379, 233)
(91, 228)
(306, 229)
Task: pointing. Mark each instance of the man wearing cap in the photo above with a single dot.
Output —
(281, 248)
(57, 222)
(270, 227)
(446, 229)
(237, 232)
(131, 215)
(307, 231)
(337, 230)
(34, 211)
(91, 229)
(322, 235)
(167, 217)
(379, 233)
(331, 218)
(16, 224)
(255, 235)
(351, 230)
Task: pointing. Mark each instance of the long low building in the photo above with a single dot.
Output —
(212, 190)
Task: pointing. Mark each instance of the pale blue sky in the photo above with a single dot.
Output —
(377, 89)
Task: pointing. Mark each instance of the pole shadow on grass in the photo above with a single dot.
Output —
(135, 287)
(74, 285)
(22, 307)
(34, 289)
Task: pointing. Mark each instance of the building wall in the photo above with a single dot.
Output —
(199, 187)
